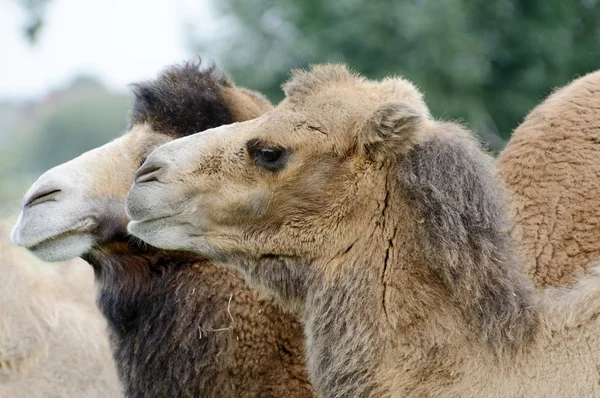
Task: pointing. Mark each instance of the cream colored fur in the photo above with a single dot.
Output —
(53, 340)
(551, 166)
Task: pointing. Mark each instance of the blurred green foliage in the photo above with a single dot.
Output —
(76, 127)
(54, 130)
(485, 62)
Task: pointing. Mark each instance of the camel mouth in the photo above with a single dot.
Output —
(48, 241)
(64, 244)
(82, 227)
(147, 223)
(152, 219)
(161, 232)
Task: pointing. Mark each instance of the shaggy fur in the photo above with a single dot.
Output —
(172, 105)
(551, 167)
(184, 101)
(449, 182)
(179, 326)
(52, 336)
(400, 263)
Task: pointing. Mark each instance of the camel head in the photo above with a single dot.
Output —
(296, 182)
(345, 180)
(79, 205)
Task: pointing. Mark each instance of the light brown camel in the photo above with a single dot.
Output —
(179, 326)
(53, 339)
(552, 170)
(387, 230)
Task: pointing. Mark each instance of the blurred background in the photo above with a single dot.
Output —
(67, 63)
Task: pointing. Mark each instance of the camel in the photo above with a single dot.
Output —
(178, 326)
(551, 167)
(387, 231)
(52, 336)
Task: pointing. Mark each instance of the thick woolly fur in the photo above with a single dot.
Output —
(52, 337)
(386, 230)
(552, 169)
(178, 325)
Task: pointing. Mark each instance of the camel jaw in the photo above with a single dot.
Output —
(159, 233)
(51, 241)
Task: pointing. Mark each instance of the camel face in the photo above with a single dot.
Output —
(298, 181)
(76, 204)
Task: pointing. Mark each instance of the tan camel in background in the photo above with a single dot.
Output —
(551, 166)
(52, 337)
(387, 231)
(179, 326)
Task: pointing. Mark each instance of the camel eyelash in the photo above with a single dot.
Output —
(267, 156)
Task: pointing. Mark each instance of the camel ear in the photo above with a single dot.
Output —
(394, 128)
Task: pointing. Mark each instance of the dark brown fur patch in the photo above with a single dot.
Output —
(181, 327)
(465, 236)
(155, 321)
(183, 100)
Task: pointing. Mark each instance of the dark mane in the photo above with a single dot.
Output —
(146, 296)
(184, 99)
(452, 187)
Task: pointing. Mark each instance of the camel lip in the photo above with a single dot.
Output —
(156, 231)
(133, 226)
(84, 226)
(152, 219)
(146, 202)
(53, 240)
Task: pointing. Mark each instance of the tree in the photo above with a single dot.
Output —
(56, 129)
(35, 11)
(487, 62)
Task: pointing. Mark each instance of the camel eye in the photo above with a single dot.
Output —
(269, 157)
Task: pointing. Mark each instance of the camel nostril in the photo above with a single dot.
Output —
(148, 172)
(45, 195)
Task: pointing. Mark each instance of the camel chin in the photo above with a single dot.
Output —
(159, 233)
(48, 240)
(64, 247)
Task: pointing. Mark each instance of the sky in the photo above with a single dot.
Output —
(119, 41)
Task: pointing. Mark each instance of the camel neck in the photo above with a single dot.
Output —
(397, 291)
(356, 319)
